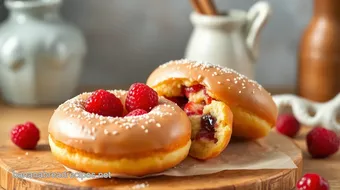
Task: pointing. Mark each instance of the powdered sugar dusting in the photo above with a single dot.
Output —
(206, 66)
(146, 122)
(140, 186)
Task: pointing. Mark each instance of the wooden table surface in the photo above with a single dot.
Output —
(9, 116)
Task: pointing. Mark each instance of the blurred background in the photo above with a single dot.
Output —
(128, 39)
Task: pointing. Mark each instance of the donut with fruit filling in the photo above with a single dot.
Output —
(197, 86)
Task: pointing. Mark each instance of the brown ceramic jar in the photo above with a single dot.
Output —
(319, 53)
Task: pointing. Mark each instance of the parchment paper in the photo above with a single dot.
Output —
(239, 155)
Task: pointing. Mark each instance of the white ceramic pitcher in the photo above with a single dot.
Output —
(41, 55)
(229, 40)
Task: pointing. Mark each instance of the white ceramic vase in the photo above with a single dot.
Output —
(229, 40)
(41, 56)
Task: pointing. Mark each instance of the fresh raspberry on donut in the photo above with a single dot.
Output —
(132, 146)
(137, 112)
(141, 96)
(25, 136)
(104, 103)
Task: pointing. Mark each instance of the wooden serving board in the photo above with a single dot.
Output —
(13, 159)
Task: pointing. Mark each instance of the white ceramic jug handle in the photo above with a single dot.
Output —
(326, 114)
(256, 19)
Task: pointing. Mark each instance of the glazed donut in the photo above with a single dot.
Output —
(254, 111)
(130, 145)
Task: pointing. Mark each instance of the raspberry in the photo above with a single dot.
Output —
(141, 96)
(287, 125)
(192, 89)
(312, 181)
(322, 143)
(137, 112)
(25, 136)
(193, 109)
(104, 103)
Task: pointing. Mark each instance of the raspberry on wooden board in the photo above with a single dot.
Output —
(312, 181)
(322, 143)
(25, 136)
(287, 125)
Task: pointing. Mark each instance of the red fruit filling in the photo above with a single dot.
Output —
(207, 131)
(209, 100)
(188, 91)
(192, 89)
(193, 109)
(180, 101)
(208, 122)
